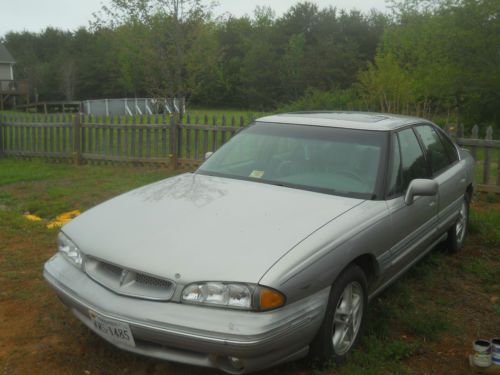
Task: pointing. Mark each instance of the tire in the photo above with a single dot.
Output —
(458, 232)
(329, 345)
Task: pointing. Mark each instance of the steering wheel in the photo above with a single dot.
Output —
(283, 169)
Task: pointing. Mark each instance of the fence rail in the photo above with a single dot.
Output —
(54, 107)
(163, 139)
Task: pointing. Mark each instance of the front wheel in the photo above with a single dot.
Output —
(344, 319)
(458, 232)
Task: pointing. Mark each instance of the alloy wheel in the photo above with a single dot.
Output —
(461, 225)
(347, 318)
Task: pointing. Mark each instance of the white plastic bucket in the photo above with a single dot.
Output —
(495, 351)
(482, 353)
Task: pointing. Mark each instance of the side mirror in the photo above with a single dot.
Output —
(420, 187)
(208, 154)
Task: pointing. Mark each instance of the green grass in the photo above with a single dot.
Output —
(31, 171)
(479, 173)
(486, 224)
(429, 327)
(481, 268)
(493, 166)
(427, 309)
(480, 153)
(47, 189)
(381, 357)
(248, 115)
(496, 308)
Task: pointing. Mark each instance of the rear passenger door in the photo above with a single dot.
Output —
(442, 158)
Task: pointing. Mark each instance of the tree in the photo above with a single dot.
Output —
(164, 32)
(450, 50)
(234, 37)
(292, 71)
(68, 79)
(260, 66)
(385, 86)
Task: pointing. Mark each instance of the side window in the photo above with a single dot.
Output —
(449, 146)
(413, 162)
(394, 186)
(436, 153)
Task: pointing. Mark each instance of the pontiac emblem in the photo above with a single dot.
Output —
(123, 277)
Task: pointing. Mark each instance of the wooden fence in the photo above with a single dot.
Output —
(489, 166)
(165, 140)
(157, 139)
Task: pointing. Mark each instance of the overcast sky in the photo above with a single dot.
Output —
(35, 15)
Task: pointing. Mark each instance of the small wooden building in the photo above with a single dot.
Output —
(9, 87)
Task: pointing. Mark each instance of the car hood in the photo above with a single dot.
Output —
(199, 228)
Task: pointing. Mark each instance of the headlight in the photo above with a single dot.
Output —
(69, 250)
(233, 295)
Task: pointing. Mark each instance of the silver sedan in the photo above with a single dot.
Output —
(273, 248)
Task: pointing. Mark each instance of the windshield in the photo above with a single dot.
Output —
(330, 160)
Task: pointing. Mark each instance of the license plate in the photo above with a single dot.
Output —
(113, 330)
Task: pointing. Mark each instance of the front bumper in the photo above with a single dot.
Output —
(195, 335)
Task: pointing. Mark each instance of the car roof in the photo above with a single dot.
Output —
(339, 119)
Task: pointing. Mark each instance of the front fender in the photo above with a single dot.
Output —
(316, 262)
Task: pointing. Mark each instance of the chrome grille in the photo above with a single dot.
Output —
(129, 282)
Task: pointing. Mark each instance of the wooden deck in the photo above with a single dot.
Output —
(9, 87)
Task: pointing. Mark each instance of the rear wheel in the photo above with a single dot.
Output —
(344, 319)
(458, 232)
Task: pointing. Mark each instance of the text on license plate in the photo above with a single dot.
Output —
(111, 329)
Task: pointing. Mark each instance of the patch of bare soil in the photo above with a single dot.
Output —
(472, 314)
(483, 205)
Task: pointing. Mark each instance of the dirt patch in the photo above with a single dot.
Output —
(483, 205)
(17, 319)
(471, 313)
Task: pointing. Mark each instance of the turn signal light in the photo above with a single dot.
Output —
(270, 299)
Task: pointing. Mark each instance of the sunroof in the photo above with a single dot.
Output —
(343, 116)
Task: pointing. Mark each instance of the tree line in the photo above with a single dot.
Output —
(432, 58)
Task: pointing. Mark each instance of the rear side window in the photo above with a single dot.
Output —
(436, 153)
(413, 162)
(450, 147)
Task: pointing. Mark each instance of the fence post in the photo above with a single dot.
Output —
(487, 156)
(1, 135)
(498, 168)
(77, 147)
(173, 142)
(475, 135)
